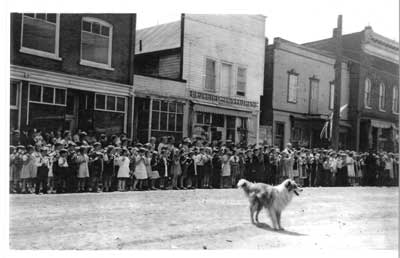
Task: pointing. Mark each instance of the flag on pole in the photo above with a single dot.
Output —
(325, 133)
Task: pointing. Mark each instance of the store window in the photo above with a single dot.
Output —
(167, 116)
(230, 128)
(110, 103)
(44, 94)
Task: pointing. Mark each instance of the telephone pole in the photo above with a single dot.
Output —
(338, 85)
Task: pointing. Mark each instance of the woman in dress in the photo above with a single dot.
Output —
(140, 169)
(28, 162)
(82, 160)
(123, 169)
(207, 167)
(226, 168)
(176, 169)
(350, 169)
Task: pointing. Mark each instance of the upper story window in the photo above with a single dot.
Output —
(44, 94)
(96, 43)
(382, 92)
(40, 34)
(241, 81)
(331, 95)
(367, 93)
(292, 86)
(210, 79)
(395, 100)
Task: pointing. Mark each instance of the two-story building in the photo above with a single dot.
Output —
(72, 71)
(201, 76)
(373, 62)
(298, 95)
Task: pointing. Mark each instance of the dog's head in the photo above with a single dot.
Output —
(292, 187)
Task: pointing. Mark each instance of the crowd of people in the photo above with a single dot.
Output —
(62, 162)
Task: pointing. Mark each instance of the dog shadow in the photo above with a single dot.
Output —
(269, 228)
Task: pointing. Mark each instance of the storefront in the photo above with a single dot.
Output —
(378, 135)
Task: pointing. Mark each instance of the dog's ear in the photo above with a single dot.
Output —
(288, 184)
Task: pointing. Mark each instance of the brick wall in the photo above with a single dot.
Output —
(69, 50)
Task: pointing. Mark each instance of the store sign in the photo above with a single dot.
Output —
(221, 99)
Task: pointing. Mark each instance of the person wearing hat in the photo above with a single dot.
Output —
(176, 170)
(163, 143)
(140, 169)
(28, 164)
(154, 175)
(95, 166)
(82, 160)
(43, 166)
(63, 169)
(70, 177)
(108, 168)
(123, 162)
(163, 169)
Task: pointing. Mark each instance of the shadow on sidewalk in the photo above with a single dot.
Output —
(286, 232)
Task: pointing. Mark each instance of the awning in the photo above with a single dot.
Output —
(221, 111)
(382, 124)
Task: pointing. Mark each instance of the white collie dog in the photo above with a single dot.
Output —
(273, 198)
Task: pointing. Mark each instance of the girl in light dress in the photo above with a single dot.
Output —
(28, 164)
(82, 160)
(140, 169)
(176, 169)
(208, 167)
(349, 160)
(226, 168)
(123, 169)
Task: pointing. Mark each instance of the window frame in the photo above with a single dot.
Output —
(382, 96)
(237, 81)
(292, 73)
(105, 103)
(41, 94)
(36, 52)
(367, 94)
(395, 98)
(167, 112)
(17, 85)
(215, 75)
(85, 62)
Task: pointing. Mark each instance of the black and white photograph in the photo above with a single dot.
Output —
(255, 125)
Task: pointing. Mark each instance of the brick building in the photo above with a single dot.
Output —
(298, 95)
(373, 62)
(200, 76)
(71, 71)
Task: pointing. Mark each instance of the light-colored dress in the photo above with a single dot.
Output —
(28, 166)
(176, 167)
(123, 170)
(140, 168)
(83, 161)
(350, 167)
(389, 166)
(226, 167)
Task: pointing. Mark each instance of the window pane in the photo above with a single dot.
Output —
(163, 121)
(292, 94)
(241, 81)
(39, 35)
(13, 93)
(35, 92)
(41, 16)
(179, 122)
(164, 105)
(96, 27)
(95, 48)
(60, 96)
(230, 122)
(207, 118)
(105, 31)
(51, 17)
(48, 95)
(86, 26)
(210, 74)
(171, 122)
(156, 105)
(100, 101)
(110, 103)
(199, 118)
(120, 104)
(179, 108)
(155, 118)
(172, 107)
(218, 120)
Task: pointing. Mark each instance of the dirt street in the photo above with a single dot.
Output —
(358, 217)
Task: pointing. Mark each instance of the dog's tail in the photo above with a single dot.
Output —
(245, 185)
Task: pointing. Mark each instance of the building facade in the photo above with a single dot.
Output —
(373, 62)
(72, 71)
(203, 77)
(298, 95)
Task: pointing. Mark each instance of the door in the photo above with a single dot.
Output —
(71, 114)
(279, 134)
(313, 97)
(226, 79)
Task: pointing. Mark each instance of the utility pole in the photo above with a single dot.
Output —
(338, 85)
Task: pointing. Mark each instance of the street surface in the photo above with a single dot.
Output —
(321, 218)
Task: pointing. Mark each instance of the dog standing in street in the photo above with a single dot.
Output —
(273, 198)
